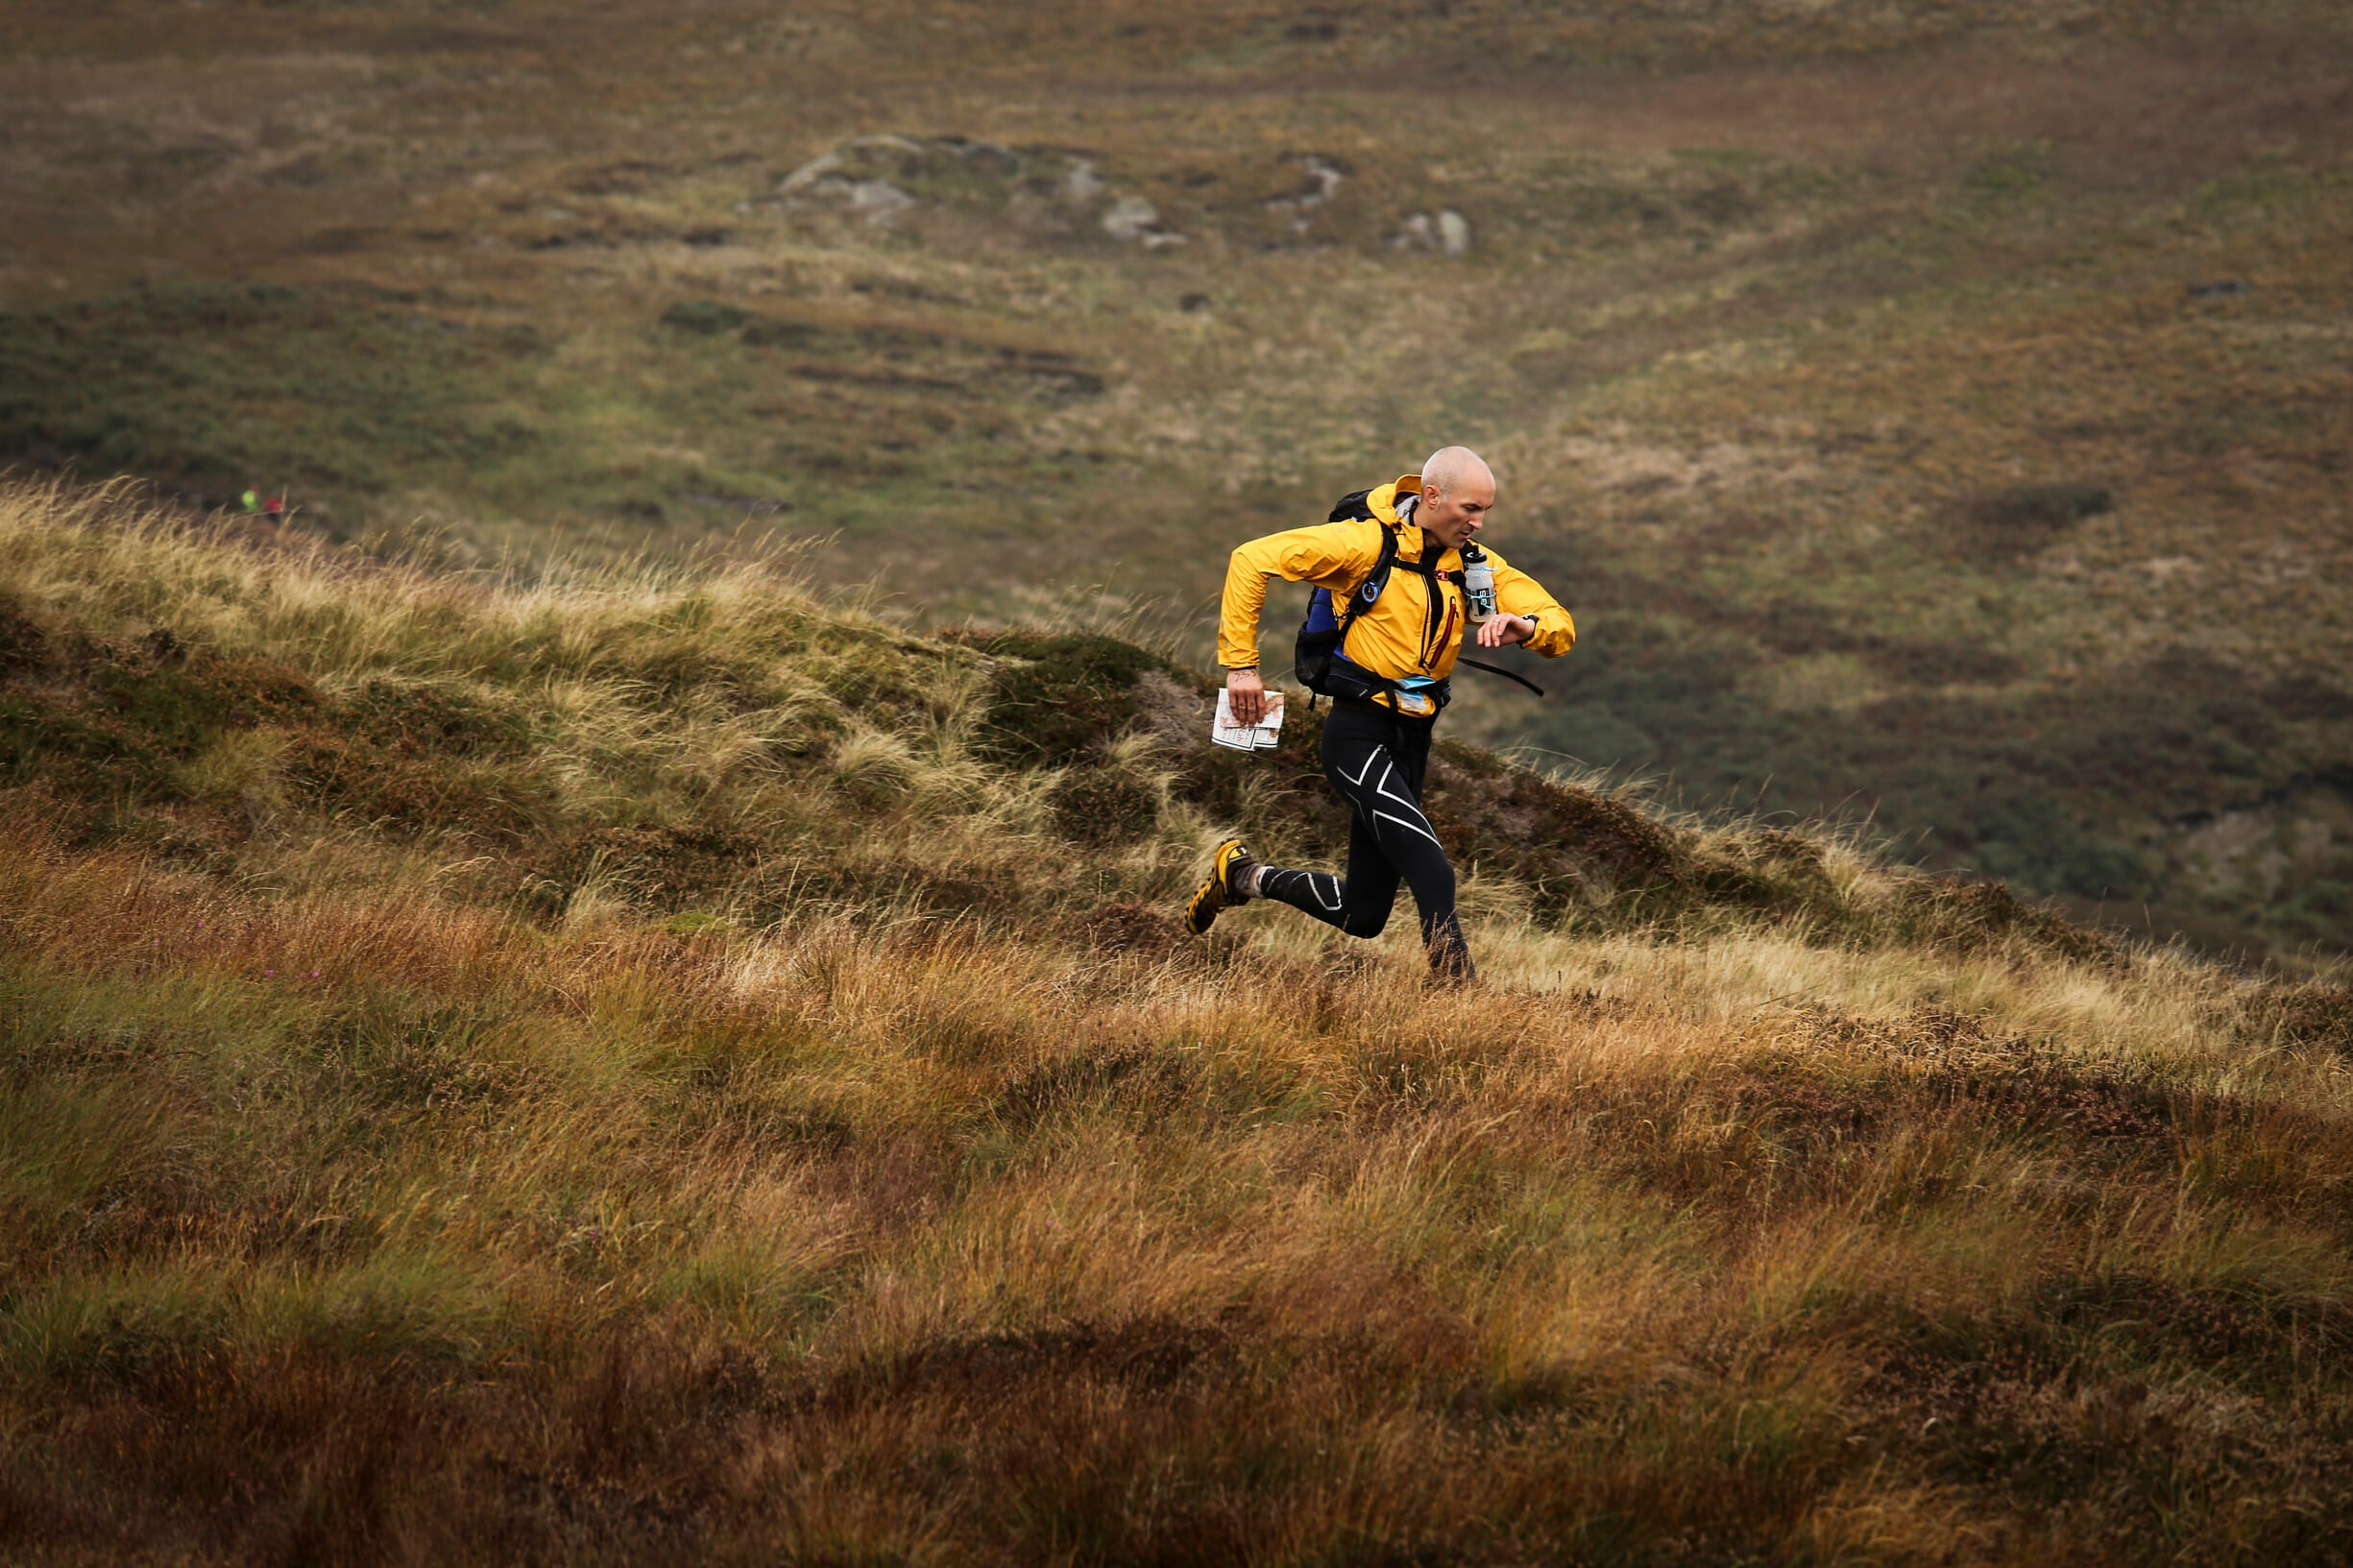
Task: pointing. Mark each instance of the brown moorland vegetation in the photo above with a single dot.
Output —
(643, 1065)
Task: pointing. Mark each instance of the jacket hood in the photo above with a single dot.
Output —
(1383, 500)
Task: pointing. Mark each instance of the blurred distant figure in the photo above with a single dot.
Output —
(274, 509)
(252, 499)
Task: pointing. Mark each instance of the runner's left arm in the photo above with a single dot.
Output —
(1518, 593)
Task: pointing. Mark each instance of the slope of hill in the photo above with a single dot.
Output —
(627, 1066)
(1937, 413)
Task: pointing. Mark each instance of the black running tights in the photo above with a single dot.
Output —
(1376, 761)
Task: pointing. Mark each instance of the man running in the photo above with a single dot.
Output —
(1398, 652)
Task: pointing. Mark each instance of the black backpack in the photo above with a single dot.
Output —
(1316, 657)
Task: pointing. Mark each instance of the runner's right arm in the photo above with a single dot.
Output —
(1333, 555)
(1330, 555)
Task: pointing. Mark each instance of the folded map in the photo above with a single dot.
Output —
(1262, 735)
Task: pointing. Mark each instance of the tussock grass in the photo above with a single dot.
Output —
(736, 1118)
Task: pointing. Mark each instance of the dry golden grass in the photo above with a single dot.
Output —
(356, 1207)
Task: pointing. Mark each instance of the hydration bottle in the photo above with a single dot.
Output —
(1478, 583)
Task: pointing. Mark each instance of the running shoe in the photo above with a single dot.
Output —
(1228, 869)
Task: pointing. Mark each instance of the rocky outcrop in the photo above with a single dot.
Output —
(881, 177)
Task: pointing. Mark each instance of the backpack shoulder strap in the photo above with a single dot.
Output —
(1361, 597)
(1426, 564)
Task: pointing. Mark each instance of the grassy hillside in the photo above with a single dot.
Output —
(1935, 413)
(629, 1066)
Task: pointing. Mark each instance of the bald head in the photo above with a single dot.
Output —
(1458, 489)
(1450, 468)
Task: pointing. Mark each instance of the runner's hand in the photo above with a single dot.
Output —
(1497, 629)
(1249, 695)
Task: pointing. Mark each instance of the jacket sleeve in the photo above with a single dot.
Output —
(1333, 555)
(1520, 594)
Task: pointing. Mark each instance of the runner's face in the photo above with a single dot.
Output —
(1453, 517)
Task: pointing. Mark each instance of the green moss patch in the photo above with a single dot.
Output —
(1057, 696)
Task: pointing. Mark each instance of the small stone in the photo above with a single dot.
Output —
(1453, 232)
(1323, 177)
(1193, 302)
(881, 201)
(2226, 288)
(809, 174)
(1131, 218)
(1080, 183)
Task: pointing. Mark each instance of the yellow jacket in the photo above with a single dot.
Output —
(1403, 633)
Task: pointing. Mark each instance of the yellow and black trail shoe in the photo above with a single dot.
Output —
(1228, 869)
